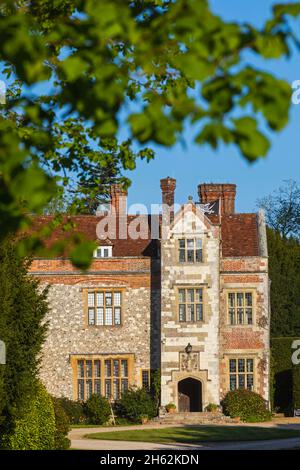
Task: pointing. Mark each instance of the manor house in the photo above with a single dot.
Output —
(185, 293)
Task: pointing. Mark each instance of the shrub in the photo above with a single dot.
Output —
(62, 424)
(170, 406)
(135, 404)
(74, 410)
(35, 430)
(97, 410)
(247, 405)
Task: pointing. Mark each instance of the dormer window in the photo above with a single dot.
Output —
(103, 252)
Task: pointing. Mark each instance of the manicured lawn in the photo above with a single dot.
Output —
(191, 434)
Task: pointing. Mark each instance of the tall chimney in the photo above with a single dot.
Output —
(118, 200)
(225, 192)
(168, 186)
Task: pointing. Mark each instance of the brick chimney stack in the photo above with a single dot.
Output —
(225, 192)
(118, 200)
(168, 186)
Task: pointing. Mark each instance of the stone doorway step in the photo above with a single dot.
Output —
(194, 418)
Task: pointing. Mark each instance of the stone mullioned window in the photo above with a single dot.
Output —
(190, 250)
(104, 308)
(102, 376)
(240, 308)
(190, 305)
(241, 373)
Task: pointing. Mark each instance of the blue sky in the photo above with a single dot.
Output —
(194, 164)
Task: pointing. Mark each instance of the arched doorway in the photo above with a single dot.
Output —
(189, 395)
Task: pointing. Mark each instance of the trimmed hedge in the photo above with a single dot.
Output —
(296, 387)
(36, 429)
(247, 405)
(73, 409)
(97, 410)
(62, 424)
(282, 374)
(135, 404)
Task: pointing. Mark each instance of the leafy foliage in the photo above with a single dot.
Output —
(23, 329)
(247, 405)
(283, 209)
(135, 404)
(97, 409)
(284, 261)
(73, 409)
(282, 374)
(153, 65)
(62, 426)
(36, 429)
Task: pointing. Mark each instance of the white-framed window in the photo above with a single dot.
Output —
(103, 252)
(190, 250)
(104, 308)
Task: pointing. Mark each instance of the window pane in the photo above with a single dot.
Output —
(108, 299)
(250, 382)
(105, 252)
(91, 316)
(116, 392)
(231, 300)
(249, 316)
(100, 316)
(182, 256)
(108, 316)
(248, 296)
(199, 294)
(182, 295)
(116, 368)
(199, 312)
(191, 244)
(80, 369)
(97, 387)
(249, 365)
(107, 365)
(241, 381)
(89, 369)
(191, 256)
(124, 368)
(108, 388)
(182, 316)
(91, 299)
(145, 379)
(100, 299)
(241, 363)
(124, 385)
(191, 313)
(117, 316)
(231, 316)
(97, 368)
(232, 382)
(182, 243)
(240, 316)
(199, 244)
(117, 299)
(240, 299)
(89, 389)
(81, 389)
(190, 295)
(232, 365)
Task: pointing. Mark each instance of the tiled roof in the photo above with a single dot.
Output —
(239, 235)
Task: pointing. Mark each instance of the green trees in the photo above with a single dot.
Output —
(22, 328)
(284, 262)
(139, 64)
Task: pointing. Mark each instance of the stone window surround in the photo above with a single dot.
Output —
(241, 355)
(204, 236)
(195, 249)
(74, 358)
(111, 289)
(243, 290)
(204, 302)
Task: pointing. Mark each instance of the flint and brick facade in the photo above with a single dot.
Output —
(201, 320)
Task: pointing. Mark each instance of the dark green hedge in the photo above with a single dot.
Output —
(247, 405)
(282, 374)
(296, 386)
